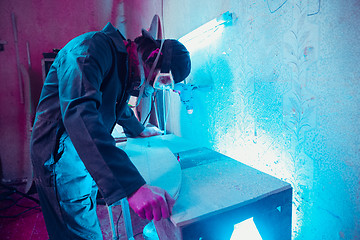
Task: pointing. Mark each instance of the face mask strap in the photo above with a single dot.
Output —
(165, 66)
(142, 74)
(150, 73)
(165, 72)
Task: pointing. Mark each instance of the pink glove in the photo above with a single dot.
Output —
(151, 202)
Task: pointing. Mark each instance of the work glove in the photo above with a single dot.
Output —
(151, 202)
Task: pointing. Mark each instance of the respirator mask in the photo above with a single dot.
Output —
(163, 79)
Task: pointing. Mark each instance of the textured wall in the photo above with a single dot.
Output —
(42, 25)
(45, 25)
(282, 95)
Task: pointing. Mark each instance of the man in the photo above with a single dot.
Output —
(74, 155)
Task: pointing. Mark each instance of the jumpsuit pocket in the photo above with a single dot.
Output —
(75, 192)
(71, 176)
(53, 160)
(61, 147)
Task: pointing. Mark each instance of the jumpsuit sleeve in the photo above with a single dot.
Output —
(132, 127)
(80, 75)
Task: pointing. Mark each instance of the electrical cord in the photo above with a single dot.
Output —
(152, 102)
(15, 203)
(137, 234)
(6, 196)
(117, 226)
(19, 214)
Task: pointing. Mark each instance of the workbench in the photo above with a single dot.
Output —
(216, 192)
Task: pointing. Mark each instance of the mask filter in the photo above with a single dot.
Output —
(164, 79)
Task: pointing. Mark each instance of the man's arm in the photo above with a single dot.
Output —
(133, 128)
(80, 77)
(80, 80)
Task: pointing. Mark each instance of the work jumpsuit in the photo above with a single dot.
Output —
(72, 150)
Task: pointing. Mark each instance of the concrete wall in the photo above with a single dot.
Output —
(279, 91)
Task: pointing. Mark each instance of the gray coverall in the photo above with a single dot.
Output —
(72, 150)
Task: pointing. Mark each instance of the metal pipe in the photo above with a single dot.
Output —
(112, 225)
(164, 110)
(28, 54)
(127, 219)
(17, 58)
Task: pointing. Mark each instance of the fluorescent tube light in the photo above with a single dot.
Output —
(209, 26)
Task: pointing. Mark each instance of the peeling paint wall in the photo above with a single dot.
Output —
(279, 91)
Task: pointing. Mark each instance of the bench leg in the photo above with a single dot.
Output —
(127, 220)
(112, 225)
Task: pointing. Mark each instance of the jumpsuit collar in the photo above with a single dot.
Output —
(115, 36)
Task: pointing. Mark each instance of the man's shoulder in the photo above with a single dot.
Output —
(109, 36)
(115, 35)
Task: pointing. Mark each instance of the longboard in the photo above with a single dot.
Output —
(155, 162)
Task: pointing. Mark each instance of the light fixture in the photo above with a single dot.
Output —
(246, 230)
(210, 26)
(197, 39)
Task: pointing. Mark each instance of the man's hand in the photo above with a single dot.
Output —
(151, 202)
(150, 131)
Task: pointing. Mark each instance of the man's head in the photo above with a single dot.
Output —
(173, 57)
